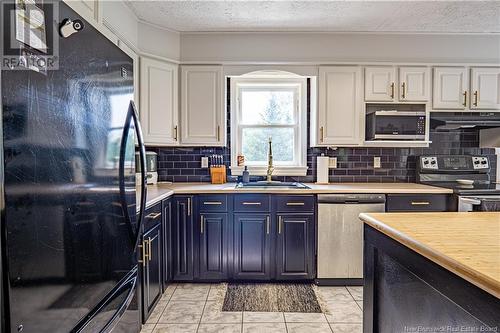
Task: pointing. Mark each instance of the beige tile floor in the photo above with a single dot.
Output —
(191, 308)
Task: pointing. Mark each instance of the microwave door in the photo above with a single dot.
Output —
(396, 125)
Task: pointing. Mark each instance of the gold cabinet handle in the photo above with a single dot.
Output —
(420, 203)
(321, 134)
(268, 225)
(465, 98)
(175, 132)
(150, 253)
(212, 203)
(252, 203)
(392, 90)
(144, 255)
(280, 224)
(202, 223)
(295, 204)
(403, 93)
(153, 215)
(476, 93)
(189, 207)
(218, 133)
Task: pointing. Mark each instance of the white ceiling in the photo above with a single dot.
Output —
(336, 16)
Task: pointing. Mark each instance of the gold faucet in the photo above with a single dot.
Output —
(270, 167)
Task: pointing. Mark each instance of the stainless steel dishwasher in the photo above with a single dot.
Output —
(340, 235)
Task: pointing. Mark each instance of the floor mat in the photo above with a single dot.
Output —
(271, 297)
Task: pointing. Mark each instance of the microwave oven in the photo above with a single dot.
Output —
(396, 125)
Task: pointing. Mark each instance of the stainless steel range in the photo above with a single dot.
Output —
(467, 175)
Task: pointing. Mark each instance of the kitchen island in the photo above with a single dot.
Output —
(431, 272)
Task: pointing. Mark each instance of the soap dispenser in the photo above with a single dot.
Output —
(246, 175)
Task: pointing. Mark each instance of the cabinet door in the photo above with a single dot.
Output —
(213, 246)
(380, 84)
(159, 111)
(450, 88)
(295, 247)
(182, 239)
(252, 246)
(414, 84)
(167, 241)
(485, 88)
(88, 9)
(202, 106)
(152, 272)
(340, 113)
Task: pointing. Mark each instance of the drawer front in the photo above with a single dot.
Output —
(294, 203)
(152, 216)
(417, 203)
(251, 203)
(212, 203)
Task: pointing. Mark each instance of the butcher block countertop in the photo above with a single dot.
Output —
(161, 191)
(467, 244)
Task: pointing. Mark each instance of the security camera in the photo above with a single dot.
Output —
(69, 27)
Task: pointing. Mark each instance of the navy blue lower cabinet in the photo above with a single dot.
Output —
(167, 242)
(151, 269)
(252, 246)
(295, 247)
(182, 238)
(213, 245)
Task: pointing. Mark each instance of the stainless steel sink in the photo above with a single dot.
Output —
(274, 184)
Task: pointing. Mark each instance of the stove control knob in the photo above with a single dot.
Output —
(483, 162)
(433, 162)
(476, 162)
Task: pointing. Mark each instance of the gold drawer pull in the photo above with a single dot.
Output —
(212, 203)
(475, 97)
(252, 203)
(465, 98)
(153, 215)
(420, 203)
(295, 204)
(150, 253)
(392, 90)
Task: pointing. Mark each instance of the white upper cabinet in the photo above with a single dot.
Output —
(159, 102)
(485, 88)
(202, 106)
(414, 84)
(88, 9)
(450, 88)
(340, 112)
(380, 84)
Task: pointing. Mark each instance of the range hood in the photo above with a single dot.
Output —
(450, 121)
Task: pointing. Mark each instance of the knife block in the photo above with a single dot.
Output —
(218, 174)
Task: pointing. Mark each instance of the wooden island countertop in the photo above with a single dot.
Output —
(467, 244)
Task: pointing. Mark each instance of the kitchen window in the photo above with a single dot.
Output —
(266, 107)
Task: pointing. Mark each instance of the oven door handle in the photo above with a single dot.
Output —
(471, 201)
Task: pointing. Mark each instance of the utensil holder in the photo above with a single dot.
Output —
(218, 174)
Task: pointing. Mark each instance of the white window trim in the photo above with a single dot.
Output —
(300, 167)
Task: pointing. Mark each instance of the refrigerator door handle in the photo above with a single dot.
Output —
(142, 157)
(121, 176)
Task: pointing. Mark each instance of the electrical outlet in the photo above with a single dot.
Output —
(376, 162)
(204, 162)
(332, 163)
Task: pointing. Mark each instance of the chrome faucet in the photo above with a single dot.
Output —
(270, 167)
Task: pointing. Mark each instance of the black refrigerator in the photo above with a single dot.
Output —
(68, 190)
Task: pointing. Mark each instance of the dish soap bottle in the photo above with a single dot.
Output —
(246, 176)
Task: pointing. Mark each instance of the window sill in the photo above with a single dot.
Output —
(278, 170)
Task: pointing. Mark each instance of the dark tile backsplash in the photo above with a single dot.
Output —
(354, 164)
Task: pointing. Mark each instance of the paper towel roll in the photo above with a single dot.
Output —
(322, 169)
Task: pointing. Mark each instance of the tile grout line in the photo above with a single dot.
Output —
(161, 314)
(204, 306)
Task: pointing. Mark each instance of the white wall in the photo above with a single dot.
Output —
(327, 47)
(159, 42)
